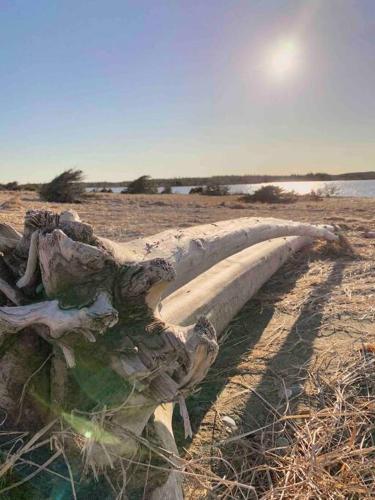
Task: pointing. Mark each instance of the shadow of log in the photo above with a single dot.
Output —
(287, 365)
(296, 350)
(239, 341)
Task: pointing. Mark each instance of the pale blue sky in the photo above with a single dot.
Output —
(173, 88)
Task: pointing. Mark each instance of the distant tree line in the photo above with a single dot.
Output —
(69, 187)
(260, 179)
(242, 179)
(205, 181)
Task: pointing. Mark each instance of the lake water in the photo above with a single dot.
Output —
(357, 189)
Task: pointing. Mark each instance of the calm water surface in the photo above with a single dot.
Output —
(346, 188)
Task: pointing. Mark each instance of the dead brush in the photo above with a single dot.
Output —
(326, 451)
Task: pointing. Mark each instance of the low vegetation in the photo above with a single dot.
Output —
(65, 188)
(216, 190)
(271, 194)
(328, 191)
(196, 190)
(142, 185)
(210, 190)
(260, 179)
(10, 186)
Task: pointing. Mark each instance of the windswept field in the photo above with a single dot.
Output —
(296, 370)
(124, 217)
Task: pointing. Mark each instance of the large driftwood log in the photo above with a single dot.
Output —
(221, 291)
(97, 305)
(193, 250)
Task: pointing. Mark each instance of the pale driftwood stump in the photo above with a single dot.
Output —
(83, 339)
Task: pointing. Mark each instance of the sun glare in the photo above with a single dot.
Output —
(283, 60)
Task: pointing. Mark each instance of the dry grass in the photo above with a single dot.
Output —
(123, 217)
(325, 451)
(303, 402)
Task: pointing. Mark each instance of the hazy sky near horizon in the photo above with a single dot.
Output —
(168, 88)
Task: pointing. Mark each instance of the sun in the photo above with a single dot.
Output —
(283, 60)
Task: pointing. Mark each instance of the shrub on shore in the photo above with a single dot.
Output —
(313, 195)
(271, 194)
(196, 190)
(29, 187)
(142, 185)
(211, 190)
(65, 188)
(216, 190)
(328, 191)
(10, 186)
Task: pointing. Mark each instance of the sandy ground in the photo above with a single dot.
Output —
(318, 307)
(123, 217)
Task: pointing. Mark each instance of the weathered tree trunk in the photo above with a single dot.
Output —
(193, 250)
(82, 317)
(221, 291)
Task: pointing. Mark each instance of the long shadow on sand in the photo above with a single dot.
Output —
(296, 350)
(246, 330)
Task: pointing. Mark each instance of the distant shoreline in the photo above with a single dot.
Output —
(243, 179)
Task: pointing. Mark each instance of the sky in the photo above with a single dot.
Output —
(173, 88)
